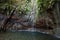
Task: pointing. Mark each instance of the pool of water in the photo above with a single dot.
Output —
(24, 35)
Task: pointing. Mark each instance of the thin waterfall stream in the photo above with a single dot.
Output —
(33, 13)
(57, 17)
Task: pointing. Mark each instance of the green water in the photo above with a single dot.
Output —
(25, 36)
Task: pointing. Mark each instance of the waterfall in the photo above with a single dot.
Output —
(57, 17)
(33, 13)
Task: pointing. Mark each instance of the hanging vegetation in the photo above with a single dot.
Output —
(43, 5)
(7, 5)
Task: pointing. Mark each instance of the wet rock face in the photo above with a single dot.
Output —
(2, 18)
(18, 26)
(14, 22)
(44, 23)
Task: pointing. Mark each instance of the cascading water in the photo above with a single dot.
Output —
(57, 17)
(33, 13)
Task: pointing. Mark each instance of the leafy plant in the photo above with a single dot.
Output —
(43, 5)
